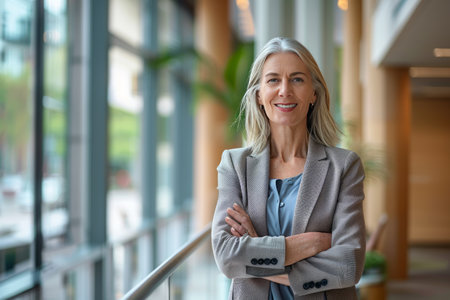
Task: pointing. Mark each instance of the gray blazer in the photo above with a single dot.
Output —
(329, 200)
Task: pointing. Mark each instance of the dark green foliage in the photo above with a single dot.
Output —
(227, 87)
(375, 263)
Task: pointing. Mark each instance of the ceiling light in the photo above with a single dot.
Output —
(343, 4)
(422, 72)
(441, 52)
(242, 4)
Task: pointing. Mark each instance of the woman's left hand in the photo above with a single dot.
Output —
(239, 221)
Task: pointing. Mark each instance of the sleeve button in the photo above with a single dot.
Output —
(318, 285)
(311, 284)
(274, 261)
(260, 261)
(305, 286)
(267, 261)
(324, 282)
(254, 261)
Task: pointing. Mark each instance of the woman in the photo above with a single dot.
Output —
(289, 222)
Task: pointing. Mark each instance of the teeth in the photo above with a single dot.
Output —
(286, 105)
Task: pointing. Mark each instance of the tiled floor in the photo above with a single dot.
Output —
(429, 276)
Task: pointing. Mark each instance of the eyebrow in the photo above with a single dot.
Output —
(290, 75)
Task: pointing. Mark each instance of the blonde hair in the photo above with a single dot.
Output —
(321, 125)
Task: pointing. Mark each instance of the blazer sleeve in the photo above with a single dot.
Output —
(340, 266)
(246, 256)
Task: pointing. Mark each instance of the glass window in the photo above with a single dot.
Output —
(164, 146)
(55, 217)
(16, 134)
(167, 24)
(173, 111)
(165, 106)
(126, 20)
(125, 107)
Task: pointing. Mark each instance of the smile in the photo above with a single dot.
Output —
(286, 105)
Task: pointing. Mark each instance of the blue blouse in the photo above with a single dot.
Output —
(280, 212)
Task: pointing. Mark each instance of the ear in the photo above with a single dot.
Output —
(258, 97)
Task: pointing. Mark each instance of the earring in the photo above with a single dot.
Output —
(262, 107)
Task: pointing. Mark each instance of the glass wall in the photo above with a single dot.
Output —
(16, 136)
(137, 240)
(125, 108)
(164, 146)
(55, 218)
(174, 110)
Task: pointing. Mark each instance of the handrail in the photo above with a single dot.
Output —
(167, 268)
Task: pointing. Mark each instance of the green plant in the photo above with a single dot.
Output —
(375, 263)
(372, 158)
(235, 77)
(227, 87)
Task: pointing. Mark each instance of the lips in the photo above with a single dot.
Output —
(286, 107)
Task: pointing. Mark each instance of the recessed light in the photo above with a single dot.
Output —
(424, 72)
(441, 52)
(343, 4)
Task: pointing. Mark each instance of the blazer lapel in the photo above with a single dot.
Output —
(315, 171)
(257, 189)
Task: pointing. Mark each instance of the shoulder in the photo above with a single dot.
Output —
(341, 156)
(337, 153)
(239, 152)
(345, 160)
(235, 156)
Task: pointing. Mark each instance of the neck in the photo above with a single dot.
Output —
(287, 143)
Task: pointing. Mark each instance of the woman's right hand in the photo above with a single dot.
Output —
(240, 222)
(304, 245)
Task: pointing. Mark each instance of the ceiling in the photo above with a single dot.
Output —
(427, 28)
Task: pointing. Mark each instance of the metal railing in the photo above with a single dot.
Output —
(167, 268)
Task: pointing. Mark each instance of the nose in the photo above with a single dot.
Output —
(285, 88)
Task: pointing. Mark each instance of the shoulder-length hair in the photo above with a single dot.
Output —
(320, 123)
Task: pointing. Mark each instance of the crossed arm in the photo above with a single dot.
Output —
(298, 247)
(310, 256)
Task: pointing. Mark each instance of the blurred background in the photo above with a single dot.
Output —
(114, 115)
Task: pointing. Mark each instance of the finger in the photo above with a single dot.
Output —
(237, 216)
(245, 219)
(239, 209)
(235, 232)
(235, 225)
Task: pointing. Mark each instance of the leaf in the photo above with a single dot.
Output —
(234, 77)
(170, 55)
(211, 90)
(237, 69)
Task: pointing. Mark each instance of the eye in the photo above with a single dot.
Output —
(297, 79)
(272, 80)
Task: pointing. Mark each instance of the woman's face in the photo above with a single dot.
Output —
(286, 90)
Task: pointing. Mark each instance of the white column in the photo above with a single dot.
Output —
(309, 26)
(272, 19)
(314, 28)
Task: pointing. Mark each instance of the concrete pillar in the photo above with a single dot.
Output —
(398, 134)
(272, 19)
(314, 28)
(385, 126)
(213, 39)
(310, 26)
(373, 121)
(351, 80)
